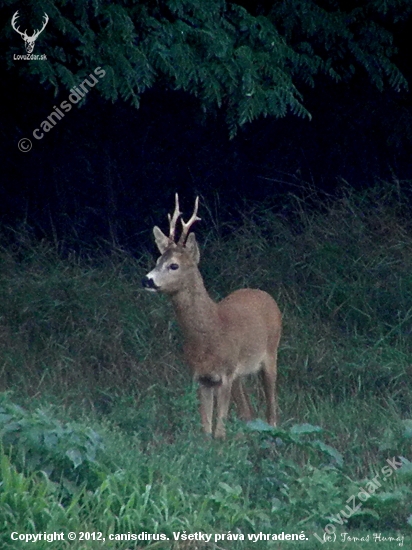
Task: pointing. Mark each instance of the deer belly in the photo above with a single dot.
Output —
(250, 364)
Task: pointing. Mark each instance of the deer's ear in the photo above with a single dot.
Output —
(192, 248)
(162, 241)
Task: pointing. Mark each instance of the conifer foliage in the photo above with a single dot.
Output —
(250, 60)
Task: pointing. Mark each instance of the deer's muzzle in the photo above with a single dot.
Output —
(149, 284)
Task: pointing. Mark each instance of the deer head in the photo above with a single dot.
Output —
(177, 259)
(29, 41)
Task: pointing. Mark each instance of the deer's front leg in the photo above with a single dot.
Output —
(206, 396)
(223, 393)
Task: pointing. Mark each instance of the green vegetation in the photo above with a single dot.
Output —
(249, 62)
(98, 416)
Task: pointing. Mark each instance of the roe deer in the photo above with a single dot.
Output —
(222, 341)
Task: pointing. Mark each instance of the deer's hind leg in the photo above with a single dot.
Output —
(241, 398)
(269, 375)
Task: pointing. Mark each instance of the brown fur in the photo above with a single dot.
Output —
(222, 341)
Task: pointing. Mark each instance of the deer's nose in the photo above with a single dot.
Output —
(149, 284)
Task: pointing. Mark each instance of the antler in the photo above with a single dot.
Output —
(46, 20)
(13, 24)
(173, 219)
(186, 226)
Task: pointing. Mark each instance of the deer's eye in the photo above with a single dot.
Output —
(174, 266)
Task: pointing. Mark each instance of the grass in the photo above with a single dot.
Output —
(98, 418)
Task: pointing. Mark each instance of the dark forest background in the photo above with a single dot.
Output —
(108, 170)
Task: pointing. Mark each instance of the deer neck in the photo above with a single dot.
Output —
(196, 312)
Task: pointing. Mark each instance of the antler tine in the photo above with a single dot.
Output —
(38, 32)
(13, 23)
(187, 225)
(173, 219)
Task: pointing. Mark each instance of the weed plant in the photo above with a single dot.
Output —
(99, 425)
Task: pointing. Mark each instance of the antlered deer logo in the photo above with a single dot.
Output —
(29, 41)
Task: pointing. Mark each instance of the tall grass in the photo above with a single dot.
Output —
(85, 351)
